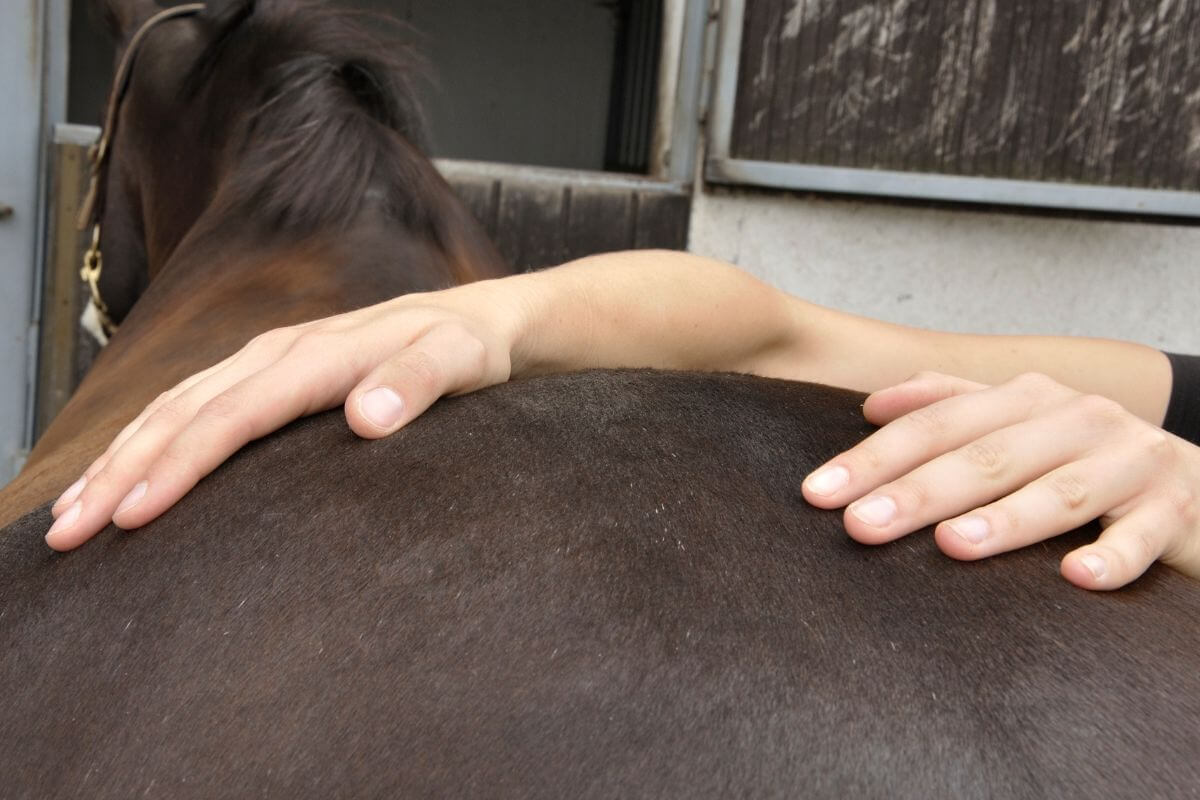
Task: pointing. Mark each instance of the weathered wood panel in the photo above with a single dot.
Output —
(539, 217)
(65, 350)
(1087, 91)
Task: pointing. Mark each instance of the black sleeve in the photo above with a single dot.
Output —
(1183, 412)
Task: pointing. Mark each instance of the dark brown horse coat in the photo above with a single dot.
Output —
(602, 584)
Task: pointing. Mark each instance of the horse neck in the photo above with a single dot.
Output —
(212, 296)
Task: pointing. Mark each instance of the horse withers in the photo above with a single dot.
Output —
(600, 584)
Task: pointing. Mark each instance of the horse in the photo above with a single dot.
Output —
(597, 584)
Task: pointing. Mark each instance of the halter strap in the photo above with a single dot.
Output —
(92, 208)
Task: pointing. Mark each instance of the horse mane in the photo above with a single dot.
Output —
(334, 121)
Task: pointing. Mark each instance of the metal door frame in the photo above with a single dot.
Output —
(722, 167)
(35, 78)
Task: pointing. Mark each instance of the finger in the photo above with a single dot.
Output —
(976, 473)
(72, 493)
(1004, 461)
(95, 497)
(922, 389)
(154, 426)
(1124, 551)
(124, 471)
(923, 434)
(166, 397)
(86, 516)
(297, 385)
(1061, 500)
(446, 359)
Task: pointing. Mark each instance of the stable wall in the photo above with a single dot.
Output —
(517, 81)
(964, 269)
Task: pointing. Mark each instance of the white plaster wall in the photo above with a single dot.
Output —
(964, 270)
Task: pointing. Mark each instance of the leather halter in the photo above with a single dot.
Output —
(92, 208)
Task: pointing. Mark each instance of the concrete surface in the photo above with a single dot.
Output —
(964, 270)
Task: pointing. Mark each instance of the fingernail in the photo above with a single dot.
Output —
(875, 511)
(72, 492)
(133, 498)
(1095, 565)
(973, 529)
(828, 481)
(65, 520)
(382, 407)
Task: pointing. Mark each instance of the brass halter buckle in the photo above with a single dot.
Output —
(89, 273)
(90, 211)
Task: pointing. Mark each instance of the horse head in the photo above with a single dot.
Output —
(263, 164)
(270, 122)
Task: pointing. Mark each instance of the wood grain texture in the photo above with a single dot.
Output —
(1100, 92)
(65, 350)
(544, 220)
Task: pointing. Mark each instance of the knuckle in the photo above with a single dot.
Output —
(910, 494)
(260, 342)
(270, 343)
(1119, 559)
(126, 434)
(163, 398)
(1005, 522)
(171, 414)
(313, 344)
(1183, 552)
(1156, 443)
(225, 417)
(1033, 382)
(864, 458)
(1145, 546)
(1182, 505)
(98, 466)
(987, 458)
(1036, 388)
(1100, 411)
(1134, 549)
(220, 407)
(1069, 489)
(924, 376)
(177, 462)
(105, 481)
(422, 370)
(474, 356)
(930, 421)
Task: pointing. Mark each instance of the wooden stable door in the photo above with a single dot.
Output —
(1071, 103)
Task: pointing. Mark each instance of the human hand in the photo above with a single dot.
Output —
(1006, 466)
(387, 363)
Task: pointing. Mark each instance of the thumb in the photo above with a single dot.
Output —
(920, 390)
(446, 359)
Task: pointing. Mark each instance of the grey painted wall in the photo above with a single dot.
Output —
(964, 270)
(518, 81)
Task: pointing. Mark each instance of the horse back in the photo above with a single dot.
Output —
(601, 584)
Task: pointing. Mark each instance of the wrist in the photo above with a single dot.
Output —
(526, 306)
(505, 312)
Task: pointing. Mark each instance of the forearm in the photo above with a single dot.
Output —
(1136, 376)
(661, 309)
(680, 311)
(865, 354)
